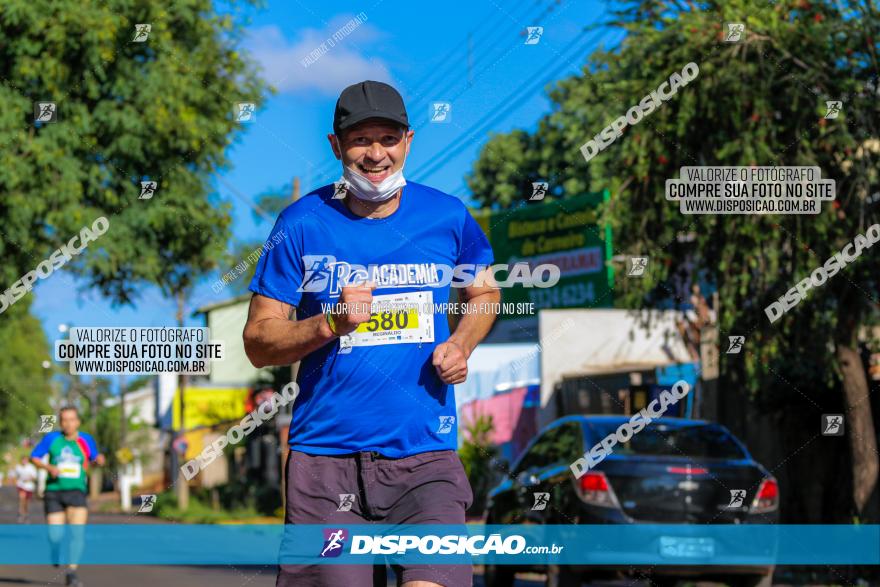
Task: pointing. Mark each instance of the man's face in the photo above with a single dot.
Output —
(69, 422)
(374, 149)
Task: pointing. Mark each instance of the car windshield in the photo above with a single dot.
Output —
(706, 441)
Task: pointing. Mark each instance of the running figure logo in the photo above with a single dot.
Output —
(246, 112)
(147, 503)
(47, 423)
(832, 424)
(334, 542)
(735, 31)
(317, 275)
(45, 112)
(637, 266)
(346, 501)
(737, 497)
(539, 190)
(441, 112)
(446, 423)
(833, 108)
(541, 501)
(533, 35)
(148, 188)
(736, 343)
(339, 189)
(141, 32)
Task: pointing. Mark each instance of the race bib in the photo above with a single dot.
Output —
(396, 319)
(69, 471)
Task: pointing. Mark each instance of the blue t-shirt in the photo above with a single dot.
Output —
(383, 395)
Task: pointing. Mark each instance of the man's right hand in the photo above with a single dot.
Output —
(354, 307)
(53, 470)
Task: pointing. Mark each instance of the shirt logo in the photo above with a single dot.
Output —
(446, 423)
(334, 542)
(326, 273)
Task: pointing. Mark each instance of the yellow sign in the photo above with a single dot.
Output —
(208, 406)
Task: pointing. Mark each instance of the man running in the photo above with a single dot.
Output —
(70, 453)
(26, 482)
(374, 430)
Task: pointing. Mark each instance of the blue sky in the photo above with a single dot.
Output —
(420, 48)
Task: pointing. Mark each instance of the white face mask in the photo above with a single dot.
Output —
(364, 189)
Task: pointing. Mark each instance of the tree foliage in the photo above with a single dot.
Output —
(759, 101)
(159, 110)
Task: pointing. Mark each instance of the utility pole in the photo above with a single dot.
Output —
(122, 419)
(97, 478)
(182, 484)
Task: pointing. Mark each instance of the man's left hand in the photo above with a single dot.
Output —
(99, 460)
(450, 362)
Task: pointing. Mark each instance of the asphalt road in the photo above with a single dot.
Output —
(143, 576)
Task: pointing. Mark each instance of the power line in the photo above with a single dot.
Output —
(327, 167)
(513, 101)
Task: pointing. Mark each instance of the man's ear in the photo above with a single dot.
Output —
(334, 144)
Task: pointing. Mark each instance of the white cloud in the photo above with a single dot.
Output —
(341, 65)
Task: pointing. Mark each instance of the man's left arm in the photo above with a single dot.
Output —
(450, 358)
(95, 455)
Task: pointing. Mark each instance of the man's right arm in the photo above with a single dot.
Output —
(273, 337)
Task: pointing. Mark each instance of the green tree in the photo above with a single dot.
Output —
(159, 110)
(759, 101)
(25, 386)
(478, 456)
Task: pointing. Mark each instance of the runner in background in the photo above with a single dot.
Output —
(25, 474)
(70, 453)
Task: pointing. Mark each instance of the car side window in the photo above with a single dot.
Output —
(561, 445)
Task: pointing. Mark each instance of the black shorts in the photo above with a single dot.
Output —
(59, 501)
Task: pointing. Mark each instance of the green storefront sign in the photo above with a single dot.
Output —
(563, 233)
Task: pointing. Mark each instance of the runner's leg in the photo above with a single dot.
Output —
(77, 518)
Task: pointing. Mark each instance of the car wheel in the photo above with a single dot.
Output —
(752, 581)
(562, 576)
(499, 575)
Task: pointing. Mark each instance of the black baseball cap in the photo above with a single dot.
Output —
(368, 99)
